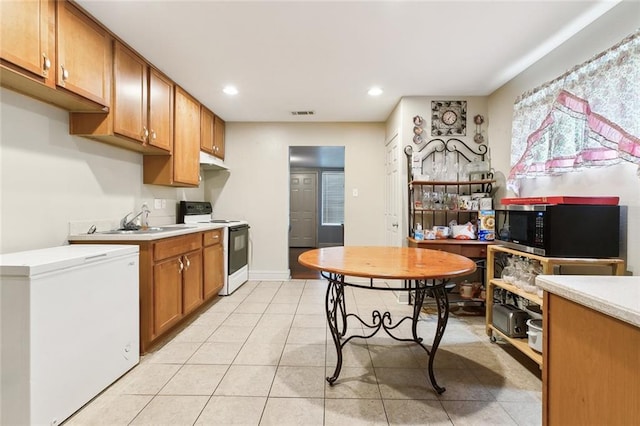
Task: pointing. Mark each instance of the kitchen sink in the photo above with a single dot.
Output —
(151, 230)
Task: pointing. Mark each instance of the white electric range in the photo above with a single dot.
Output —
(235, 242)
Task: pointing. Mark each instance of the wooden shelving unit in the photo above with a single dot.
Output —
(549, 267)
(522, 344)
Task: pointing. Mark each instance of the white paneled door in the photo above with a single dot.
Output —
(393, 200)
(303, 210)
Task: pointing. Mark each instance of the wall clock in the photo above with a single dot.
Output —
(448, 118)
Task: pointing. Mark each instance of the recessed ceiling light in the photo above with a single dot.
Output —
(375, 91)
(230, 90)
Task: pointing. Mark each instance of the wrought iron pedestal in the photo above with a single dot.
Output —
(337, 317)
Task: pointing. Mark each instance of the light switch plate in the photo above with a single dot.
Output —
(157, 203)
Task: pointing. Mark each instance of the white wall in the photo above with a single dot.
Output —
(49, 179)
(621, 180)
(257, 186)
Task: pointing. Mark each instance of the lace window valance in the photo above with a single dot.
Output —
(588, 117)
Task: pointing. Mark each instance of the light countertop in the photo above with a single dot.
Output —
(171, 231)
(616, 296)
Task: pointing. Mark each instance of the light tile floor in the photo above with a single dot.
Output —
(261, 355)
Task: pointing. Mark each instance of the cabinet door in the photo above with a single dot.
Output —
(218, 140)
(24, 35)
(130, 94)
(213, 269)
(84, 55)
(192, 281)
(206, 130)
(167, 291)
(160, 110)
(186, 147)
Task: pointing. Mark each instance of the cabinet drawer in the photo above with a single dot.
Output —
(176, 246)
(473, 250)
(212, 237)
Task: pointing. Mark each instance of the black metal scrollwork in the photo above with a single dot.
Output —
(337, 318)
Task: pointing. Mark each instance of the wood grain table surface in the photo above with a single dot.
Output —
(400, 263)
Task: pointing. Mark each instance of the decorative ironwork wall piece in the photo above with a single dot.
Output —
(448, 118)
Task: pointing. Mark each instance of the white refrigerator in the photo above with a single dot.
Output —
(69, 328)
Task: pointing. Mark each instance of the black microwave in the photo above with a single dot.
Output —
(563, 230)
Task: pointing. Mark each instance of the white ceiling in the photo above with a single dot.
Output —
(325, 55)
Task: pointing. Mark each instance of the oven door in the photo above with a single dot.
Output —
(238, 247)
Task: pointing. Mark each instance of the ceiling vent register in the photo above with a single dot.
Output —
(303, 112)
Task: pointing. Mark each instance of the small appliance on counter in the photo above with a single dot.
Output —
(235, 241)
(560, 228)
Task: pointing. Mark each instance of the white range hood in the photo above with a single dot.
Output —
(209, 162)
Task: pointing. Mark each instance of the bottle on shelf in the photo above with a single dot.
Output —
(418, 233)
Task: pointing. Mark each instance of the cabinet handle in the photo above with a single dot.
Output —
(145, 133)
(188, 262)
(46, 64)
(65, 73)
(153, 135)
(181, 266)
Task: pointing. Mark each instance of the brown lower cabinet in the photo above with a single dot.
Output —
(590, 367)
(178, 275)
(213, 255)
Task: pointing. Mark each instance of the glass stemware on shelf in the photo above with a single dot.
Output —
(522, 273)
(439, 200)
(447, 169)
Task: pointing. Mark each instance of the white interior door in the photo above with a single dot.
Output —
(393, 199)
(303, 193)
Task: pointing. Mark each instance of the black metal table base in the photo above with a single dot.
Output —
(337, 317)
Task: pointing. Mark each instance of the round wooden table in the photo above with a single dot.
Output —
(422, 271)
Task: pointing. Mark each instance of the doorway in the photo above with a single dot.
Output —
(316, 202)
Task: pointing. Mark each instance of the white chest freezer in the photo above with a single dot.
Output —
(70, 327)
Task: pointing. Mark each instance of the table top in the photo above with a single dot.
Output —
(400, 263)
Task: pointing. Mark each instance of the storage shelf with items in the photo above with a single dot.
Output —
(448, 180)
(509, 285)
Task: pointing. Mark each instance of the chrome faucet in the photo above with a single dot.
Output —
(128, 224)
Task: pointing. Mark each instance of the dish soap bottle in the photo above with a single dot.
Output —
(144, 217)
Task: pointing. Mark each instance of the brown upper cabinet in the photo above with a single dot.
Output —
(218, 140)
(28, 40)
(182, 168)
(211, 133)
(206, 129)
(141, 115)
(160, 110)
(56, 53)
(187, 139)
(84, 55)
